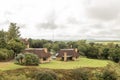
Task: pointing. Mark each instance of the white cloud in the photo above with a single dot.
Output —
(66, 19)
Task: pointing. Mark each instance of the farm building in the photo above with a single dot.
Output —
(67, 54)
(42, 53)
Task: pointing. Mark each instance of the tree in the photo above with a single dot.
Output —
(13, 31)
(115, 55)
(48, 46)
(62, 45)
(16, 46)
(2, 39)
(105, 53)
(55, 47)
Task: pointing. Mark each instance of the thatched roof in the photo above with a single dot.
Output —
(41, 52)
(69, 52)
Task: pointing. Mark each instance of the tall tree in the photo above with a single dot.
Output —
(13, 31)
(2, 39)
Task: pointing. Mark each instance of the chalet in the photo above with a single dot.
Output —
(42, 53)
(67, 54)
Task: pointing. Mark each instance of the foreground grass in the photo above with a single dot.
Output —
(81, 62)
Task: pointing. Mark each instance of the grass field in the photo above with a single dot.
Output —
(81, 62)
(106, 42)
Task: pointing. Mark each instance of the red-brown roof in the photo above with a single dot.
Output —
(69, 52)
(38, 51)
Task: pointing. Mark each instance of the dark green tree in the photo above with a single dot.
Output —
(13, 31)
(2, 39)
(16, 45)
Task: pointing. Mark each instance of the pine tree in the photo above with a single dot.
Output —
(2, 39)
(13, 31)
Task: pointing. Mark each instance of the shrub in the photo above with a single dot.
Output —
(31, 59)
(19, 77)
(110, 73)
(6, 54)
(46, 75)
(20, 57)
(81, 74)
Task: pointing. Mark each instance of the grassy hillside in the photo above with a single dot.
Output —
(81, 62)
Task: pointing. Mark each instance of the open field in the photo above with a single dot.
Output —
(81, 62)
(106, 42)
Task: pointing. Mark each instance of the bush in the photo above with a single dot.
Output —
(6, 54)
(116, 55)
(110, 73)
(81, 74)
(31, 59)
(19, 77)
(20, 57)
(46, 75)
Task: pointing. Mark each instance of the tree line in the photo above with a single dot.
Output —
(108, 51)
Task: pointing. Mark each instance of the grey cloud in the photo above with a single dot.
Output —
(107, 11)
(8, 13)
(21, 25)
(47, 25)
(5, 22)
(83, 31)
(97, 26)
(110, 33)
(72, 20)
(50, 26)
(50, 22)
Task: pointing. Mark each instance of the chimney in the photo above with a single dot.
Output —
(65, 56)
(45, 49)
(28, 46)
(76, 50)
(71, 46)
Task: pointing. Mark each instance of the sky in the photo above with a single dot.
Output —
(63, 19)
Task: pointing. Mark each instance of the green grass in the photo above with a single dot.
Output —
(81, 62)
(9, 66)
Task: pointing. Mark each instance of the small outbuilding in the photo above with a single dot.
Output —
(42, 53)
(67, 54)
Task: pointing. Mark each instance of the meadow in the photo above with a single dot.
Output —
(81, 62)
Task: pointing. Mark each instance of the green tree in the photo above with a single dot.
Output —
(13, 31)
(55, 47)
(2, 39)
(48, 46)
(116, 55)
(16, 46)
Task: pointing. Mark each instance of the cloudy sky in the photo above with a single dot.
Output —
(63, 19)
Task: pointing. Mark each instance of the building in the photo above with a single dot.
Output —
(42, 53)
(67, 54)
